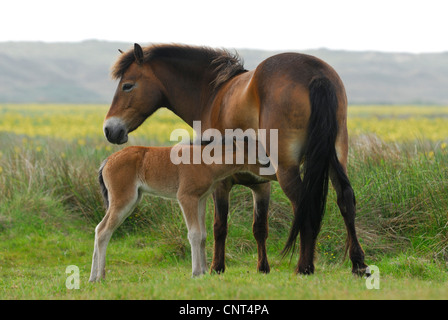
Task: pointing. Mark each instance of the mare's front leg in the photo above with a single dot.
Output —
(261, 194)
(221, 202)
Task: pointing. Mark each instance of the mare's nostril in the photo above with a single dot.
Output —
(106, 132)
(115, 131)
(120, 135)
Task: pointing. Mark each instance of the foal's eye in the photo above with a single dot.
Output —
(127, 87)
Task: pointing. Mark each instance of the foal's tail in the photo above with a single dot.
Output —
(319, 154)
(102, 185)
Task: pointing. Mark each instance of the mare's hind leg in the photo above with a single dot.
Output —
(261, 194)
(114, 217)
(347, 205)
(291, 184)
(221, 202)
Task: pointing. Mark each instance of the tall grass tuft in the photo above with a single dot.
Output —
(402, 195)
(401, 191)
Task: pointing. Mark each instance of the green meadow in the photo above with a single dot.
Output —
(50, 204)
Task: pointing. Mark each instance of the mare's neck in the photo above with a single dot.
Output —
(187, 87)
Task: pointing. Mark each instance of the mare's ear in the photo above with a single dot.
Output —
(138, 53)
(121, 51)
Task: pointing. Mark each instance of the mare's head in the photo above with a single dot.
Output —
(174, 76)
(138, 95)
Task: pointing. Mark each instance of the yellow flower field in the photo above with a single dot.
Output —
(399, 123)
(80, 122)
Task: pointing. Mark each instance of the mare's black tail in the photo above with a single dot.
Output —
(318, 155)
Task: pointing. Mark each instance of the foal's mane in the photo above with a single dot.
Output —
(224, 64)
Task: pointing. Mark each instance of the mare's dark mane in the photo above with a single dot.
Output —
(223, 63)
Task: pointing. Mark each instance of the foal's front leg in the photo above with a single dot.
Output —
(193, 209)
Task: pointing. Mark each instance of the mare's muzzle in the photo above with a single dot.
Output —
(115, 131)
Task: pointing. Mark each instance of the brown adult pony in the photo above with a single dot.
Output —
(300, 95)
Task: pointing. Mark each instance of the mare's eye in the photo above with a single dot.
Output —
(127, 87)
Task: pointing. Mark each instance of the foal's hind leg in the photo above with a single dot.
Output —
(261, 194)
(114, 217)
(347, 205)
(103, 233)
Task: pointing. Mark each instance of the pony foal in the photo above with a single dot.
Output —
(127, 174)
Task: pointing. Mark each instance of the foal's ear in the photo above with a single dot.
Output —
(121, 51)
(138, 53)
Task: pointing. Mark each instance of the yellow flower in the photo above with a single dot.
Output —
(82, 142)
(430, 154)
(443, 146)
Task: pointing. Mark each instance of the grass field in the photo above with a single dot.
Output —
(50, 204)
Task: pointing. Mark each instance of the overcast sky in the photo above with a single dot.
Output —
(380, 25)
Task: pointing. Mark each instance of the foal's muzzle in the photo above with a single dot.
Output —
(115, 131)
